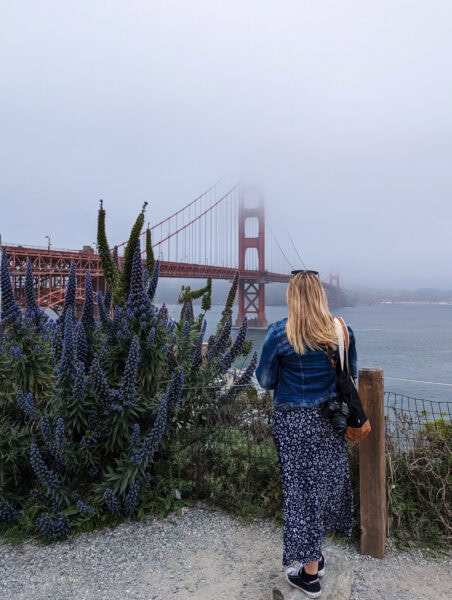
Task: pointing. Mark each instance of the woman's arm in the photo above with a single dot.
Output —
(267, 371)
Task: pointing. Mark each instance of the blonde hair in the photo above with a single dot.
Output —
(310, 323)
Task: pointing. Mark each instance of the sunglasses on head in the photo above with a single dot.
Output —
(305, 271)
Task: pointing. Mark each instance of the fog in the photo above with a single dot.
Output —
(338, 111)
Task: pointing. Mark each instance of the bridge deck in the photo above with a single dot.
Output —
(51, 271)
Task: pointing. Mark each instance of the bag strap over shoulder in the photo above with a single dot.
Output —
(343, 341)
(340, 340)
(345, 331)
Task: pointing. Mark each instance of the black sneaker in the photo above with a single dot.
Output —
(322, 570)
(309, 584)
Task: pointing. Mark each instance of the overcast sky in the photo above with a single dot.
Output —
(340, 110)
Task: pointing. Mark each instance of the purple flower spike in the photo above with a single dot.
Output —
(44, 475)
(175, 388)
(132, 498)
(242, 382)
(138, 301)
(27, 404)
(135, 437)
(112, 502)
(53, 527)
(128, 381)
(8, 514)
(236, 348)
(154, 281)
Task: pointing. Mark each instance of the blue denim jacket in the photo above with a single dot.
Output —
(298, 380)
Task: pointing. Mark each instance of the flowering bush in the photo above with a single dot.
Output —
(89, 404)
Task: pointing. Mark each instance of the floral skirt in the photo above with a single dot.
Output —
(316, 482)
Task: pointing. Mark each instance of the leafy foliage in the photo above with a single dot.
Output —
(419, 486)
(187, 296)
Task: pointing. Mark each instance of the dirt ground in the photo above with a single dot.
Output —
(201, 555)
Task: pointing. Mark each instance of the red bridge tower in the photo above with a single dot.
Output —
(251, 296)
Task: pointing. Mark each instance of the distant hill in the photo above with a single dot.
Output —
(370, 296)
(275, 294)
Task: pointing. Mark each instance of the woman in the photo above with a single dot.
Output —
(313, 457)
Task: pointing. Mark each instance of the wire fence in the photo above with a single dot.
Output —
(405, 417)
(418, 469)
(408, 418)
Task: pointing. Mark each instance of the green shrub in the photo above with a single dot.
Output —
(244, 475)
(419, 487)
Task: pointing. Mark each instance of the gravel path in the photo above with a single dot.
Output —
(202, 555)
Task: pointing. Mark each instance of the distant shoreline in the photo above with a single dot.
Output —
(417, 302)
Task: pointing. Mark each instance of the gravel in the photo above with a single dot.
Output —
(204, 554)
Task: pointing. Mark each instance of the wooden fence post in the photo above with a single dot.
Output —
(372, 465)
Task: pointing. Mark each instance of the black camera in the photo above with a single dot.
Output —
(338, 413)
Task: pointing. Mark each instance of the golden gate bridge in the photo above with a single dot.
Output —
(215, 235)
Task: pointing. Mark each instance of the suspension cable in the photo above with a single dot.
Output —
(179, 211)
(282, 251)
(295, 248)
(195, 219)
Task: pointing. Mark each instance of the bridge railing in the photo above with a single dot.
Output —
(13, 246)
